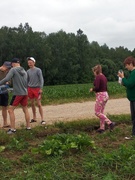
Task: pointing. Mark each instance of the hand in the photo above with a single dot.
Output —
(40, 91)
(121, 74)
(1, 68)
(91, 89)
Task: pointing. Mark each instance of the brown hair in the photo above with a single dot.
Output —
(129, 60)
(97, 69)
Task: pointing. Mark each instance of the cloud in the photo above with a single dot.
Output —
(104, 21)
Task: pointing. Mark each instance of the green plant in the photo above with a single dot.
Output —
(27, 159)
(17, 144)
(5, 164)
(4, 138)
(2, 148)
(61, 143)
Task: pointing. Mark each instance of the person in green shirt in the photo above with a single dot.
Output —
(129, 83)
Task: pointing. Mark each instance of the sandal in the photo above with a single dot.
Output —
(6, 126)
(100, 130)
(111, 126)
(32, 121)
(43, 122)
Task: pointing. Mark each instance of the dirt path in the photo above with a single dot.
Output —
(74, 111)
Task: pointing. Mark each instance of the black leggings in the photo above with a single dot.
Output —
(132, 109)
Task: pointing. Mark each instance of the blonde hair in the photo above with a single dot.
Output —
(97, 69)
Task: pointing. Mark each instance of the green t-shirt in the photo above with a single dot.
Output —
(129, 83)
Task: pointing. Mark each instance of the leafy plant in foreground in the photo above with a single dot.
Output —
(2, 148)
(62, 143)
(17, 144)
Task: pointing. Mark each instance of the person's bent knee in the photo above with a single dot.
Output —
(10, 110)
(39, 105)
(97, 114)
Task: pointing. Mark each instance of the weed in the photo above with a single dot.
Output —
(61, 143)
(4, 138)
(27, 159)
(5, 165)
(17, 144)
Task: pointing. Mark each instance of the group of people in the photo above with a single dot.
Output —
(26, 84)
(100, 89)
(29, 84)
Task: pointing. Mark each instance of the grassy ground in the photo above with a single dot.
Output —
(70, 151)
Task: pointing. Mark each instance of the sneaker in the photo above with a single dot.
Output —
(111, 126)
(43, 122)
(100, 130)
(28, 128)
(128, 137)
(32, 121)
(6, 126)
(10, 131)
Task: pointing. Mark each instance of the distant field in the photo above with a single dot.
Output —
(77, 92)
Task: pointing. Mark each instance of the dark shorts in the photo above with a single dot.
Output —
(16, 100)
(4, 99)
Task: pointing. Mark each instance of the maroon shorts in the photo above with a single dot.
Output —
(33, 93)
(22, 99)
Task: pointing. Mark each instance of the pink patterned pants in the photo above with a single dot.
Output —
(101, 100)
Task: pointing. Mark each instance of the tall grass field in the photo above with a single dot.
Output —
(77, 92)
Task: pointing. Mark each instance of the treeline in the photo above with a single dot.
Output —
(65, 58)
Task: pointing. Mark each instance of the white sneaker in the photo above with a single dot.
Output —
(28, 128)
(43, 122)
(11, 131)
(129, 137)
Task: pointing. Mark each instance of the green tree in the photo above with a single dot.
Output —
(83, 57)
(109, 69)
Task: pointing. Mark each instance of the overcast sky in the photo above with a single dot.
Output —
(110, 22)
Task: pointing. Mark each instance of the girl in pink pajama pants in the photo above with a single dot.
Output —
(100, 88)
(101, 100)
